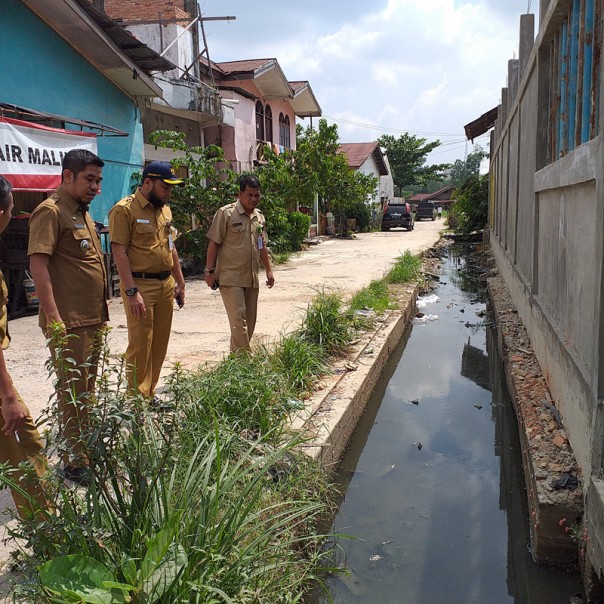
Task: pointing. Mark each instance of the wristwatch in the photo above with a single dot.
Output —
(131, 291)
(210, 271)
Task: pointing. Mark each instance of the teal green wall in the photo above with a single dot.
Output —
(41, 71)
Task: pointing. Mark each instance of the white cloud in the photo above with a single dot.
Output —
(348, 42)
(423, 66)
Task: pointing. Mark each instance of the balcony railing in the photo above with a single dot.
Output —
(191, 95)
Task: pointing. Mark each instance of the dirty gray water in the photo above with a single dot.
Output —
(434, 492)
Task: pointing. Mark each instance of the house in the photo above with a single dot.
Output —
(187, 103)
(368, 159)
(265, 106)
(442, 197)
(71, 78)
(238, 105)
(91, 84)
(546, 215)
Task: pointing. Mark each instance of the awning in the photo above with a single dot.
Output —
(56, 121)
(481, 125)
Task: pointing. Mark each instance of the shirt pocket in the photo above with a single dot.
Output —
(237, 228)
(145, 233)
(82, 242)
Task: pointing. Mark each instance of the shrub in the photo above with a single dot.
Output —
(359, 210)
(470, 210)
(298, 226)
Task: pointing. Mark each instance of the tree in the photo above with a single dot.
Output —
(210, 184)
(470, 210)
(317, 167)
(316, 160)
(407, 157)
(461, 170)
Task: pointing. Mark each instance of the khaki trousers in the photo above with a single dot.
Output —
(76, 384)
(28, 449)
(148, 337)
(241, 304)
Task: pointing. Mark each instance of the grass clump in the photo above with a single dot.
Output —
(328, 324)
(375, 297)
(406, 268)
(281, 257)
(244, 390)
(300, 360)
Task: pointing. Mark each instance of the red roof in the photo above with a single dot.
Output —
(358, 153)
(229, 67)
(431, 196)
(297, 85)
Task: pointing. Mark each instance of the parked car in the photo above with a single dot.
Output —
(397, 215)
(425, 209)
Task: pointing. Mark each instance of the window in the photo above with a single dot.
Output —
(574, 68)
(268, 120)
(259, 121)
(284, 131)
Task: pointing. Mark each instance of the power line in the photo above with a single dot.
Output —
(385, 129)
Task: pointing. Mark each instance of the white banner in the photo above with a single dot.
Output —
(30, 154)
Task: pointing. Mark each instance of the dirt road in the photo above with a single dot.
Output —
(200, 330)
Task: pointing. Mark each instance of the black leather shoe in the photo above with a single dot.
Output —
(156, 404)
(79, 476)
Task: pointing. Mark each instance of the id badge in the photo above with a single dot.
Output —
(260, 242)
(170, 242)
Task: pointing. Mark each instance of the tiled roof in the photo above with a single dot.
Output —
(229, 67)
(430, 196)
(420, 197)
(357, 153)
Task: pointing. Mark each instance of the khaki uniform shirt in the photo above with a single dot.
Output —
(4, 337)
(240, 238)
(60, 228)
(146, 231)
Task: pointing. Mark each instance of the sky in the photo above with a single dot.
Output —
(427, 67)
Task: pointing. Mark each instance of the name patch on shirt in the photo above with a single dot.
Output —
(143, 220)
(237, 223)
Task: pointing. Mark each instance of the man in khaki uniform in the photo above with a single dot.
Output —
(237, 246)
(19, 438)
(140, 228)
(66, 263)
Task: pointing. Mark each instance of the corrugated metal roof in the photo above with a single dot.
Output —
(56, 121)
(146, 58)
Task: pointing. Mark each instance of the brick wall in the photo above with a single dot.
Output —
(146, 10)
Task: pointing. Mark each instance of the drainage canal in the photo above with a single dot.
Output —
(434, 492)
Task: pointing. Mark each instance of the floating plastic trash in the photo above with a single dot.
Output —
(425, 319)
(422, 302)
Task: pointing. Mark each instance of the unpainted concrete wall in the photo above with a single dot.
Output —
(547, 237)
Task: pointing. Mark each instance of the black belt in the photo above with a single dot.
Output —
(160, 276)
